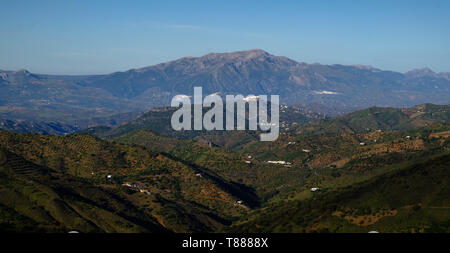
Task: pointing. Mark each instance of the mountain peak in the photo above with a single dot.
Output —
(213, 59)
(244, 55)
(421, 72)
(366, 67)
(253, 52)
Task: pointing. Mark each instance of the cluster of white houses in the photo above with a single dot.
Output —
(279, 162)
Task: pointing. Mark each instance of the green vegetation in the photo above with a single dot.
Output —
(412, 198)
(377, 169)
(206, 201)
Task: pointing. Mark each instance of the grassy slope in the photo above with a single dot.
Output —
(230, 165)
(179, 199)
(336, 159)
(35, 198)
(381, 118)
(183, 202)
(412, 198)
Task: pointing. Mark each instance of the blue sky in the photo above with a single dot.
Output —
(89, 37)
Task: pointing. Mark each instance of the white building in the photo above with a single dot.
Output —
(279, 162)
(238, 202)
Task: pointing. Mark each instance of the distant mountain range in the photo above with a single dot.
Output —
(382, 168)
(24, 95)
(58, 128)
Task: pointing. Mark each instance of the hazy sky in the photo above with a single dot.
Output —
(82, 37)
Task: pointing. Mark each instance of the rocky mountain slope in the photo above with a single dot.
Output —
(247, 72)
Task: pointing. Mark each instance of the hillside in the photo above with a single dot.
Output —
(412, 198)
(294, 121)
(356, 154)
(159, 121)
(380, 118)
(179, 196)
(326, 157)
(361, 162)
(58, 122)
(264, 178)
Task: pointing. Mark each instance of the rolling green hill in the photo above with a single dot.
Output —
(377, 169)
(159, 121)
(69, 99)
(330, 160)
(181, 197)
(412, 198)
(380, 118)
(38, 199)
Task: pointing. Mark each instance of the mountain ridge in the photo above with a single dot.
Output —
(234, 54)
(252, 72)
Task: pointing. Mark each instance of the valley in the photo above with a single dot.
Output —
(382, 169)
